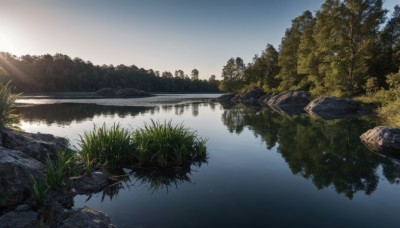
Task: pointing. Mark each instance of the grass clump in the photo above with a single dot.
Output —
(105, 147)
(166, 145)
(7, 102)
(39, 190)
(58, 171)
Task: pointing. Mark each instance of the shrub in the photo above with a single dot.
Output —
(6, 105)
(165, 145)
(105, 147)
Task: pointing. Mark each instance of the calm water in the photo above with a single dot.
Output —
(264, 168)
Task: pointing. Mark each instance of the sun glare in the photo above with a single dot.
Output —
(8, 40)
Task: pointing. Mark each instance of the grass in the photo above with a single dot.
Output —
(58, 171)
(105, 147)
(39, 190)
(6, 105)
(159, 145)
(167, 145)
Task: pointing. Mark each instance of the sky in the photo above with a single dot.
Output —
(164, 35)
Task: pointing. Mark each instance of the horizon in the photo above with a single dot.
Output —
(156, 35)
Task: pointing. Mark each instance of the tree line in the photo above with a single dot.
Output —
(347, 48)
(61, 73)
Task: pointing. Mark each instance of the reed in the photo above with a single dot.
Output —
(104, 147)
(7, 102)
(167, 145)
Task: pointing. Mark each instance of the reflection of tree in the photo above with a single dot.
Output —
(327, 152)
(65, 113)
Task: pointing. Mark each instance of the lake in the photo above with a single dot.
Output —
(264, 169)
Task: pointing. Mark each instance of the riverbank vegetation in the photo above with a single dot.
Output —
(346, 49)
(61, 73)
(158, 145)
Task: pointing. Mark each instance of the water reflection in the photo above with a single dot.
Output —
(327, 152)
(65, 113)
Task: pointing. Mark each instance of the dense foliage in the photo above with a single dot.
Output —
(345, 49)
(60, 73)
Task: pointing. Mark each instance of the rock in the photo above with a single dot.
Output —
(20, 219)
(336, 108)
(96, 182)
(382, 139)
(106, 92)
(38, 146)
(23, 207)
(84, 217)
(332, 104)
(226, 97)
(263, 100)
(290, 98)
(288, 111)
(121, 93)
(16, 169)
(253, 94)
(129, 92)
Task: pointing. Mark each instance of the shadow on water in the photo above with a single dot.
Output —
(329, 152)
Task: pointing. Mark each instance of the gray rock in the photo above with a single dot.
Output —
(253, 94)
(290, 98)
(226, 97)
(84, 217)
(16, 169)
(328, 104)
(38, 146)
(23, 207)
(263, 100)
(96, 182)
(382, 139)
(336, 108)
(19, 219)
(121, 93)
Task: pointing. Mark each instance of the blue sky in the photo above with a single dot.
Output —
(157, 34)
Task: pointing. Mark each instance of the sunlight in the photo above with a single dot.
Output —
(8, 40)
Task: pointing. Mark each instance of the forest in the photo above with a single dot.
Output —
(61, 73)
(347, 48)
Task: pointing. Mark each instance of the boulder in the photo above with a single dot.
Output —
(38, 146)
(84, 217)
(20, 219)
(253, 94)
(290, 98)
(336, 108)
(106, 92)
(329, 104)
(226, 97)
(382, 139)
(96, 182)
(129, 92)
(16, 169)
(121, 93)
(263, 100)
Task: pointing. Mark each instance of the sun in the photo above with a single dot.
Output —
(8, 40)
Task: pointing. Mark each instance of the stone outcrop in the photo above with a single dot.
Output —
(290, 98)
(335, 108)
(252, 96)
(121, 93)
(16, 170)
(84, 217)
(382, 139)
(96, 182)
(38, 146)
(19, 218)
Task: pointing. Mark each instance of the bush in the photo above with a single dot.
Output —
(165, 145)
(105, 147)
(6, 105)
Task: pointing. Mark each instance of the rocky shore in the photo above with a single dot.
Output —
(22, 158)
(381, 139)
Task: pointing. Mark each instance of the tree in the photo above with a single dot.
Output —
(195, 74)
(289, 51)
(232, 74)
(345, 35)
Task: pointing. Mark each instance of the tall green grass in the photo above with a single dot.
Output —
(57, 172)
(167, 145)
(7, 102)
(105, 147)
